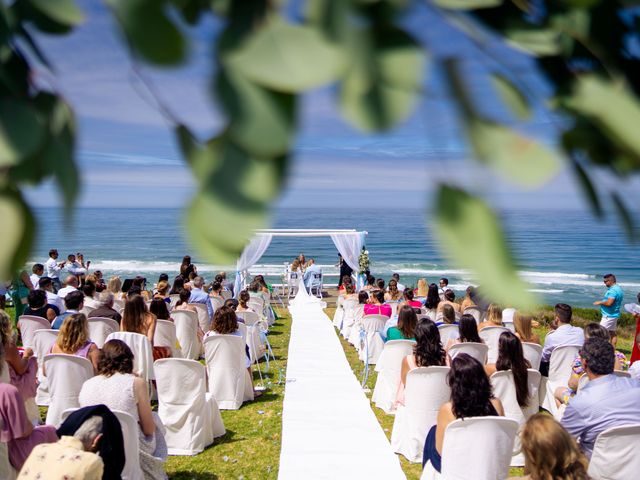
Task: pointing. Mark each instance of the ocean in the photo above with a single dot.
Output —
(562, 254)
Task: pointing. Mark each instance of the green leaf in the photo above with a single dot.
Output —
(330, 16)
(204, 159)
(17, 232)
(612, 108)
(625, 217)
(285, 57)
(588, 189)
(65, 12)
(537, 41)
(261, 121)
(21, 131)
(149, 30)
(467, 4)
(384, 81)
(512, 155)
(511, 96)
(60, 153)
(470, 234)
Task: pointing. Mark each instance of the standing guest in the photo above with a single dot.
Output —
(377, 305)
(467, 332)
(405, 329)
(550, 453)
(53, 268)
(178, 286)
(471, 396)
(606, 401)
(74, 302)
(494, 317)
(563, 333)
(302, 260)
(186, 267)
(407, 296)
(422, 288)
(36, 273)
(71, 285)
(345, 269)
(433, 299)
(46, 284)
(75, 456)
(76, 266)
(21, 287)
(119, 389)
(198, 295)
(449, 299)
(73, 339)
(105, 308)
(610, 305)
(443, 286)
(393, 294)
(511, 357)
(136, 318)
(522, 324)
(38, 306)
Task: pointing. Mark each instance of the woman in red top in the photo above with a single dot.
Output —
(408, 299)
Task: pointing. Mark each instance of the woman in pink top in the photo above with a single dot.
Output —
(377, 307)
(73, 339)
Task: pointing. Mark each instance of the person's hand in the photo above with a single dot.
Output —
(597, 302)
(88, 263)
(28, 353)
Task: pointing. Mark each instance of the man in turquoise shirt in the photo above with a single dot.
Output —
(610, 305)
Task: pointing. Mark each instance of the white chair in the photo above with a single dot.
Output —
(615, 454)
(142, 353)
(475, 312)
(28, 324)
(252, 322)
(216, 303)
(293, 279)
(226, 294)
(507, 315)
(203, 316)
(430, 313)
(316, 285)
(479, 351)
(189, 414)
(175, 298)
(461, 460)
(43, 340)
(426, 390)
(132, 469)
(229, 380)
(372, 343)
(491, 338)
(87, 310)
(100, 328)
(533, 353)
(388, 368)
(65, 376)
(447, 332)
(186, 323)
(510, 326)
(165, 336)
(349, 317)
(7, 472)
(560, 368)
(119, 304)
(339, 313)
(354, 334)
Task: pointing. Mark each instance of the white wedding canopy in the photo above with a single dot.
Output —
(348, 242)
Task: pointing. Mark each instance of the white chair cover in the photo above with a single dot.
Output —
(510, 326)
(229, 380)
(165, 336)
(186, 324)
(448, 332)
(533, 353)
(349, 306)
(354, 335)
(373, 343)
(189, 414)
(475, 312)
(100, 328)
(216, 303)
(132, 469)
(175, 298)
(256, 304)
(507, 315)
(253, 339)
(142, 353)
(388, 368)
(491, 337)
(28, 324)
(43, 340)
(65, 376)
(203, 316)
(426, 390)
(478, 351)
(226, 294)
(560, 365)
(615, 454)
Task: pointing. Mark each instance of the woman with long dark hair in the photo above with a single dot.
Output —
(137, 318)
(178, 286)
(433, 297)
(471, 396)
(467, 330)
(405, 329)
(511, 357)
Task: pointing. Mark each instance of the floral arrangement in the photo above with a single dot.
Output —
(363, 260)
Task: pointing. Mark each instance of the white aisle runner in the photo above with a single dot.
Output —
(328, 428)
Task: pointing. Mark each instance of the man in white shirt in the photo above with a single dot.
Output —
(38, 271)
(71, 283)
(53, 269)
(563, 334)
(46, 284)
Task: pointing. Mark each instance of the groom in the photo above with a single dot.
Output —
(308, 274)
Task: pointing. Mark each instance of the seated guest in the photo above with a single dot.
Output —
(243, 300)
(396, 277)
(468, 301)
(393, 294)
(105, 307)
(494, 317)
(216, 290)
(38, 306)
(345, 281)
(563, 333)
(90, 300)
(162, 291)
(422, 289)
(71, 285)
(119, 389)
(141, 283)
(311, 270)
(349, 291)
(606, 401)
(380, 285)
(407, 299)
(99, 281)
(136, 318)
(159, 308)
(433, 298)
(449, 299)
(427, 352)
(232, 303)
(226, 284)
(74, 302)
(46, 284)
(522, 324)
(114, 285)
(370, 283)
(377, 305)
(467, 332)
(448, 316)
(73, 339)
(511, 357)
(405, 329)
(550, 452)
(198, 295)
(183, 302)
(471, 396)
(74, 456)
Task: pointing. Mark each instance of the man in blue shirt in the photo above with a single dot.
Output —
(198, 295)
(610, 305)
(606, 401)
(312, 269)
(74, 302)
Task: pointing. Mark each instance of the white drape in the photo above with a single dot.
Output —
(349, 245)
(250, 256)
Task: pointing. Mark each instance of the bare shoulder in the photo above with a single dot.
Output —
(497, 404)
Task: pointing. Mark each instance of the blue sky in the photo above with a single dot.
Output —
(128, 157)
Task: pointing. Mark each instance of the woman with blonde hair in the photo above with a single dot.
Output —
(523, 323)
(114, 285)
(162, 291)
(422, 288)
(73, 339)
(550, 452)
(494, 317)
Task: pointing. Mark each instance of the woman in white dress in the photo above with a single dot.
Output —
(116, 387)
